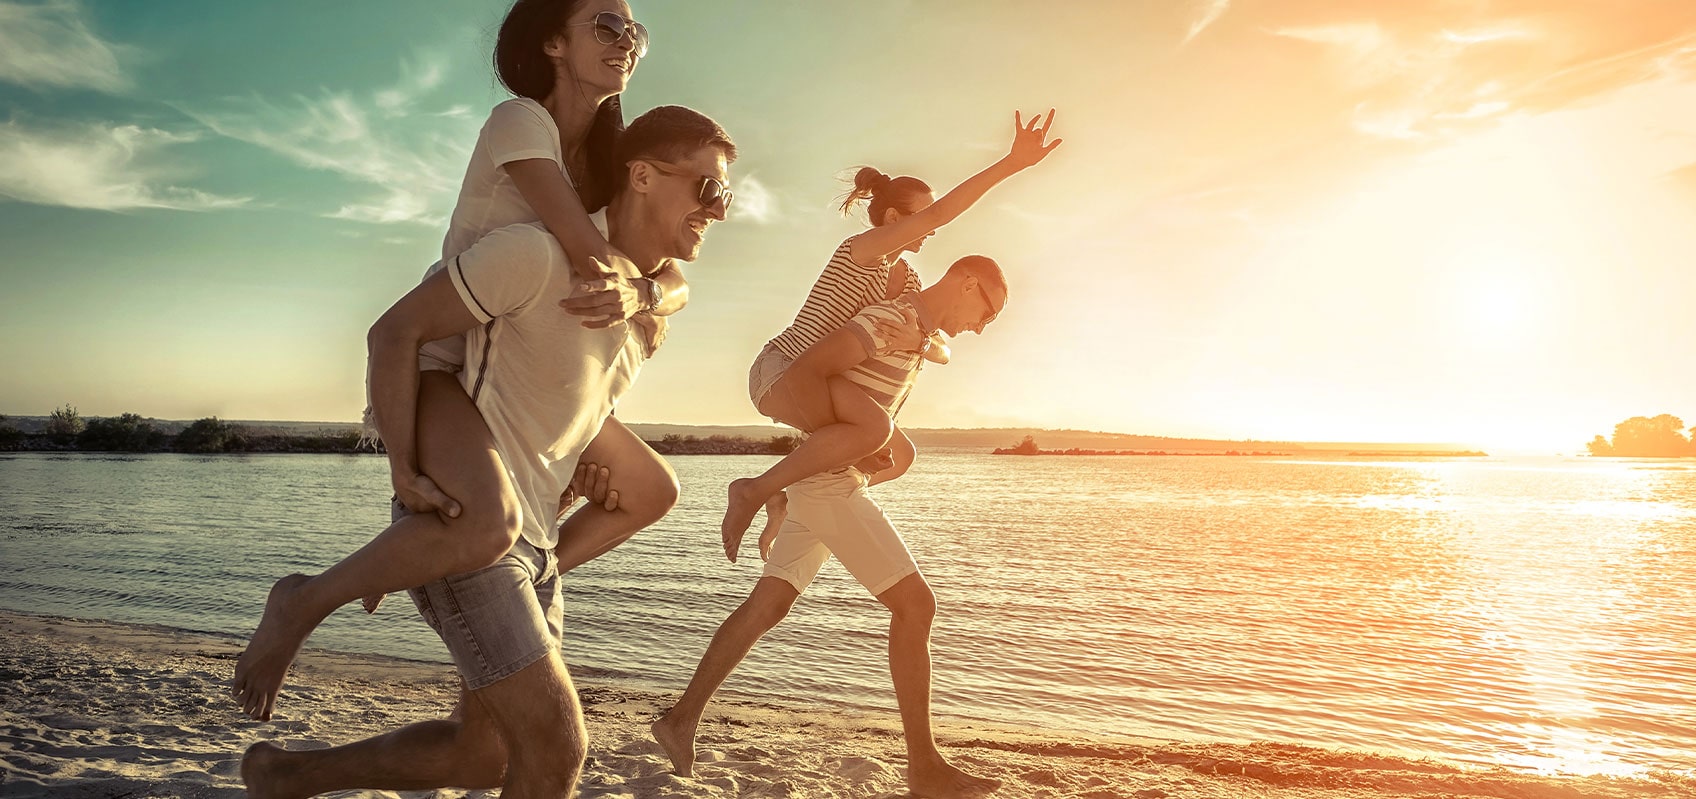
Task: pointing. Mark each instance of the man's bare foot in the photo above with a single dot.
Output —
(263, 665)
(777, 509)
(745, 501)
(678, 743)
(372, 602)
(939, 780)
(266, 776)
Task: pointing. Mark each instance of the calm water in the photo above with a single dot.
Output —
(1539, 614)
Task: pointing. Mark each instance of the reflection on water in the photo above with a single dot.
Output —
(1539, 614)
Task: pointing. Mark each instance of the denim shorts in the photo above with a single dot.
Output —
(498, 619)
(768, 366)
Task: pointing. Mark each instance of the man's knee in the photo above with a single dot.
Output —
(538, 718)
(770, 603)
(911, 601)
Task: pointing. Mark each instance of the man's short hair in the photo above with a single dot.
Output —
(982, 267)
(672, 133)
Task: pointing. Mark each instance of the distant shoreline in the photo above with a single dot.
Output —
(284, 436)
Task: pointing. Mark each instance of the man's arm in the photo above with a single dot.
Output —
(431, 311)
(808, 377)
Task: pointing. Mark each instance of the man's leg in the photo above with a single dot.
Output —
(769, 602)
(464, 751)
(458, 452)
(912, 607)
(541, 723)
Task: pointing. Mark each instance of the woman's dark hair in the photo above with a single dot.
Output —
(528, 72)
(881, 191)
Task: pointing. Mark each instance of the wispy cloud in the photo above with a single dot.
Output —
(755, 201)
(1425, 69)
(98, 166)
(412, 157)
(47, 45)
(1209, 12)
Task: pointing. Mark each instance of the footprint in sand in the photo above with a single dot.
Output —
(858, 769)
(642, 746)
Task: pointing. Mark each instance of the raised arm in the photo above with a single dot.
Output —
(431, 311)
(1028, 150)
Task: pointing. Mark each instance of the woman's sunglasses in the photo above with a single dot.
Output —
(711, 190)
(610, 27)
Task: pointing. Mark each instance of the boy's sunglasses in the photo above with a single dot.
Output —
(610, 27)
(711, 189)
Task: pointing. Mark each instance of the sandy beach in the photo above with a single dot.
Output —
(97, 709)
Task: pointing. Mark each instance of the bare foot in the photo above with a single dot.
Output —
(263, 665)
(777, 509)
(745, 501)
(678, 743)
(372, 602)
(265, 774)
(943, 781)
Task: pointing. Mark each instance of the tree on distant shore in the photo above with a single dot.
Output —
(10, 435)
(1646, 437)
(64, 425)
(210, 435)
(1027, 447)
(125, 433)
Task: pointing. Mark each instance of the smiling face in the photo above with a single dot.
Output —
(973, 309)
(600, 69)
(973, 293)
(673, 208)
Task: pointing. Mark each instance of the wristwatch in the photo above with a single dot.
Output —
(651, 298)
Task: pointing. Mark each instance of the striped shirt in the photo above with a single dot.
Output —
(843, 289)
(887, 374)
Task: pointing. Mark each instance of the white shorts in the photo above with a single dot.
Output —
(832, 514)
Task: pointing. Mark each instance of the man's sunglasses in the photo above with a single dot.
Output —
(610, 27)
(988, 304)
(710, 191)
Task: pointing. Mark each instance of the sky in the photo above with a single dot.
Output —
(1354, 220)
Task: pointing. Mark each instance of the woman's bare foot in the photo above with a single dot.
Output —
(265, 663)
(940, 780)
(777, 509)
(745, 501)
(678, 743)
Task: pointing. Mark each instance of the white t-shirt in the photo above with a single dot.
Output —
(517, 130)
(543, 382)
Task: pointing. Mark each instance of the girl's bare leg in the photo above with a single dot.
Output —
(456, 450)
(858, 427)
(647, 491)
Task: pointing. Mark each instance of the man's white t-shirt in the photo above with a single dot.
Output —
(543, 382)
(517, 130)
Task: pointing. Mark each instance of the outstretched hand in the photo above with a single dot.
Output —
(1029, 146)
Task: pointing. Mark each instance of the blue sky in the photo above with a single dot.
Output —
(1419, 220)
